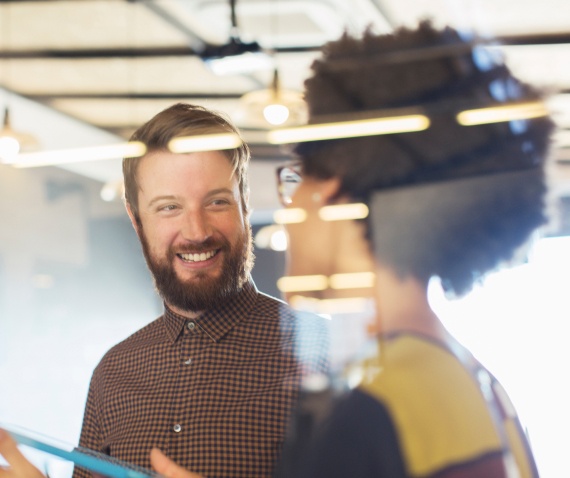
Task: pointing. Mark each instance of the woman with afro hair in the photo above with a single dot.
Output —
(450, 201)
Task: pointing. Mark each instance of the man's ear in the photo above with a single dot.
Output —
(244, 202)
(133, 219)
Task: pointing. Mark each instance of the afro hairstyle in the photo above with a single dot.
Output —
(438, 73)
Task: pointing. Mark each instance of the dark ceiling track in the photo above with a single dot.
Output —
(538, 39)
(134, 96)
(88, 53)
(46, 97)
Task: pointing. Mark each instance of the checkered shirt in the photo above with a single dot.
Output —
(213, 393)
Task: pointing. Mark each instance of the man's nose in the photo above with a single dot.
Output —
(196, 227)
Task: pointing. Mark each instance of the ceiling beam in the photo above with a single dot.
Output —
(133, 96)
(536, 39)
(182, 95)
(87, 53)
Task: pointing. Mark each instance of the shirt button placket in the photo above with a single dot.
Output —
(191, 326)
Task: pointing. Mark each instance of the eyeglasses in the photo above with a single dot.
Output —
(288, 180)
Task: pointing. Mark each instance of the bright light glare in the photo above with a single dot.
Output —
(132, 149)
(206, 142)
(289, 216)
(348, 305)
(343, 212)
(278, 241)
(111, 190)
(497, 114)
(349, 129)
(271, 237)
(353, 280)
(516, 324)
(9, 148)
(276, 114)
(248, 62)
(302, 283)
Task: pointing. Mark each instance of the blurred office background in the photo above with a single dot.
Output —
(80, 74)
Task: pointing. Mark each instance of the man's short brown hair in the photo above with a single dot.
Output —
(184, 119)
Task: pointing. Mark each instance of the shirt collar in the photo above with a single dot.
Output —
(216, 322)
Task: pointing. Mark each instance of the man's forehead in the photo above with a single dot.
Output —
(166, 161)
(181, 174)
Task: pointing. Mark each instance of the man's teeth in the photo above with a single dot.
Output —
(203, 256)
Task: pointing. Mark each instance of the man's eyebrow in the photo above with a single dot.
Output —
(213, 192)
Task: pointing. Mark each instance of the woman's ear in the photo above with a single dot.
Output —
(328, 189)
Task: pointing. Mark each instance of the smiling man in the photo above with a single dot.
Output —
(193, 228)
(213, 380)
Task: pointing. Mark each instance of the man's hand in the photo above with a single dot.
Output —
(166, 467)
(19, 466)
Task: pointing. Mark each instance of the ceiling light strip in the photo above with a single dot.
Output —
(498, 114)
(352, 280)
(132, 149)
(292, 215)
(349, 129)
(348, 305)
(334, 212)
(343, 212)
(302, 283)
(206, 142)
(403, 124)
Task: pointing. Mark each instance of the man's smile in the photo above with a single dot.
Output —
(198, 256)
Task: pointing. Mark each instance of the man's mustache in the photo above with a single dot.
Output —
(205, 246)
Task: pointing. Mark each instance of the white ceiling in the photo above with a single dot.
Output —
(88, 72)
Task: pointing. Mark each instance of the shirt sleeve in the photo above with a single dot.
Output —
(358, 439)
(90, 431)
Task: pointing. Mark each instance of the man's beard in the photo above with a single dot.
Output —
(202, 292)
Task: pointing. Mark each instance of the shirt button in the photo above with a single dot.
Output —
(188, 362)
(176, 428)
(191, 325)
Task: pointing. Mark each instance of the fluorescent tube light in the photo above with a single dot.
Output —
(240, 64)
(327, 307)
(354, 280)
(335, 212)
(206, 142)
(47, 158)
(498, 114)
(342, 212)
(349, 129)
(289, 216)
(302, 283)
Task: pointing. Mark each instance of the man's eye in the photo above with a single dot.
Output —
(169, 207)
(220, 202)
